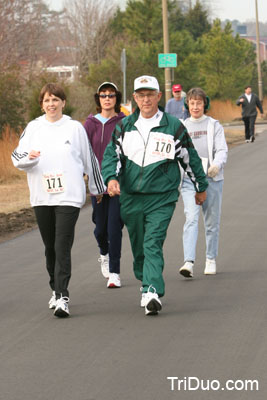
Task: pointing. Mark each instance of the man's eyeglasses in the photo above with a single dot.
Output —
(141, 96)
(110, 96)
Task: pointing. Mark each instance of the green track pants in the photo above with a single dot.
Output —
(147, 218)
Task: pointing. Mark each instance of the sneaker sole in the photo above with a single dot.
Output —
(153, 307)
(209, 273)
(186, 273)
(113, 286)
(61, 313)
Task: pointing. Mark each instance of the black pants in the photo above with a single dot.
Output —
(249, 126)
(108, 229)
(57, 226)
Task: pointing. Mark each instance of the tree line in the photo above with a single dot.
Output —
(91, 34)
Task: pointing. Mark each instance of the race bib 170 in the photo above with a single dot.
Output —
(161, 146)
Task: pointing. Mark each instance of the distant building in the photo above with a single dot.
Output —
(66, 72)
(241, 30)
(263, 45)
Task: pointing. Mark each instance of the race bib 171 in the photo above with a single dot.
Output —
(54, 183)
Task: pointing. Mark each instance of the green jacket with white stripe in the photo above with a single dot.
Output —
(152, 167)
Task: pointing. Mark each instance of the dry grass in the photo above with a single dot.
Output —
(234, 136)
(228, 111)
(8, 173)
(224, 111)
(14, 193)
(14, 196)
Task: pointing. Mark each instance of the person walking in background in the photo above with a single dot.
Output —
(249, 102)
(106, 215)
(55, 152)
(141, 165)
(208, 138)
(175, 106)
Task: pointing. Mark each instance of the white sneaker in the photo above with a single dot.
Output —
(52, 302)
(143, 300)
(62, 308)
(210, 268)
(187, 269)
(104, 260)
(114, 281)
(152, 302)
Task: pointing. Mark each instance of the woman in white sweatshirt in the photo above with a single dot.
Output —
(55, 152)
(208, 138)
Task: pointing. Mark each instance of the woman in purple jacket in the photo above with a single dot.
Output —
(106, 215)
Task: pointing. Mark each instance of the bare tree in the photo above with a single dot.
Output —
(87, 24)
(25, 26)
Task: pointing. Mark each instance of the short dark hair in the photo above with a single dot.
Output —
(118, 98)
(198, 93)
(51, 88)
(248, 86)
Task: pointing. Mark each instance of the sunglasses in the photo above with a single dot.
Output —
(110, 96)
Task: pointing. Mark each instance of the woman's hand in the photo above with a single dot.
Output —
(34, 154)
(99, 198)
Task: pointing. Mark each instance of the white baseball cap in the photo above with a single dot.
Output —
(146, 82)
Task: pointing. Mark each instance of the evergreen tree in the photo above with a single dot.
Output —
(196, 21)
(11, 101)
(142, 20)
(227, 62)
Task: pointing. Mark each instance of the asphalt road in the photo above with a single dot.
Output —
(211, 329)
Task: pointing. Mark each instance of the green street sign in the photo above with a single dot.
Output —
(167, 60)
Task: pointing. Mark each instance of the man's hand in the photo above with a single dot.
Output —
(200, 198)
(241, 100)
(113, 188)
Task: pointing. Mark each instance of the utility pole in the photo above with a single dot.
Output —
(166, 49)
(258, 53)
(123, 68)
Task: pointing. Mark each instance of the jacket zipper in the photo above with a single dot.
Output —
(102, 135)
(143, 160)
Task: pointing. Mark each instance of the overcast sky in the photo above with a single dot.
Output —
(242, 10)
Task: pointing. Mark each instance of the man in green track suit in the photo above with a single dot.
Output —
(141, 164)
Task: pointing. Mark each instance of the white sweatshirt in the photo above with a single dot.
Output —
(56, 177)
(217, 149)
